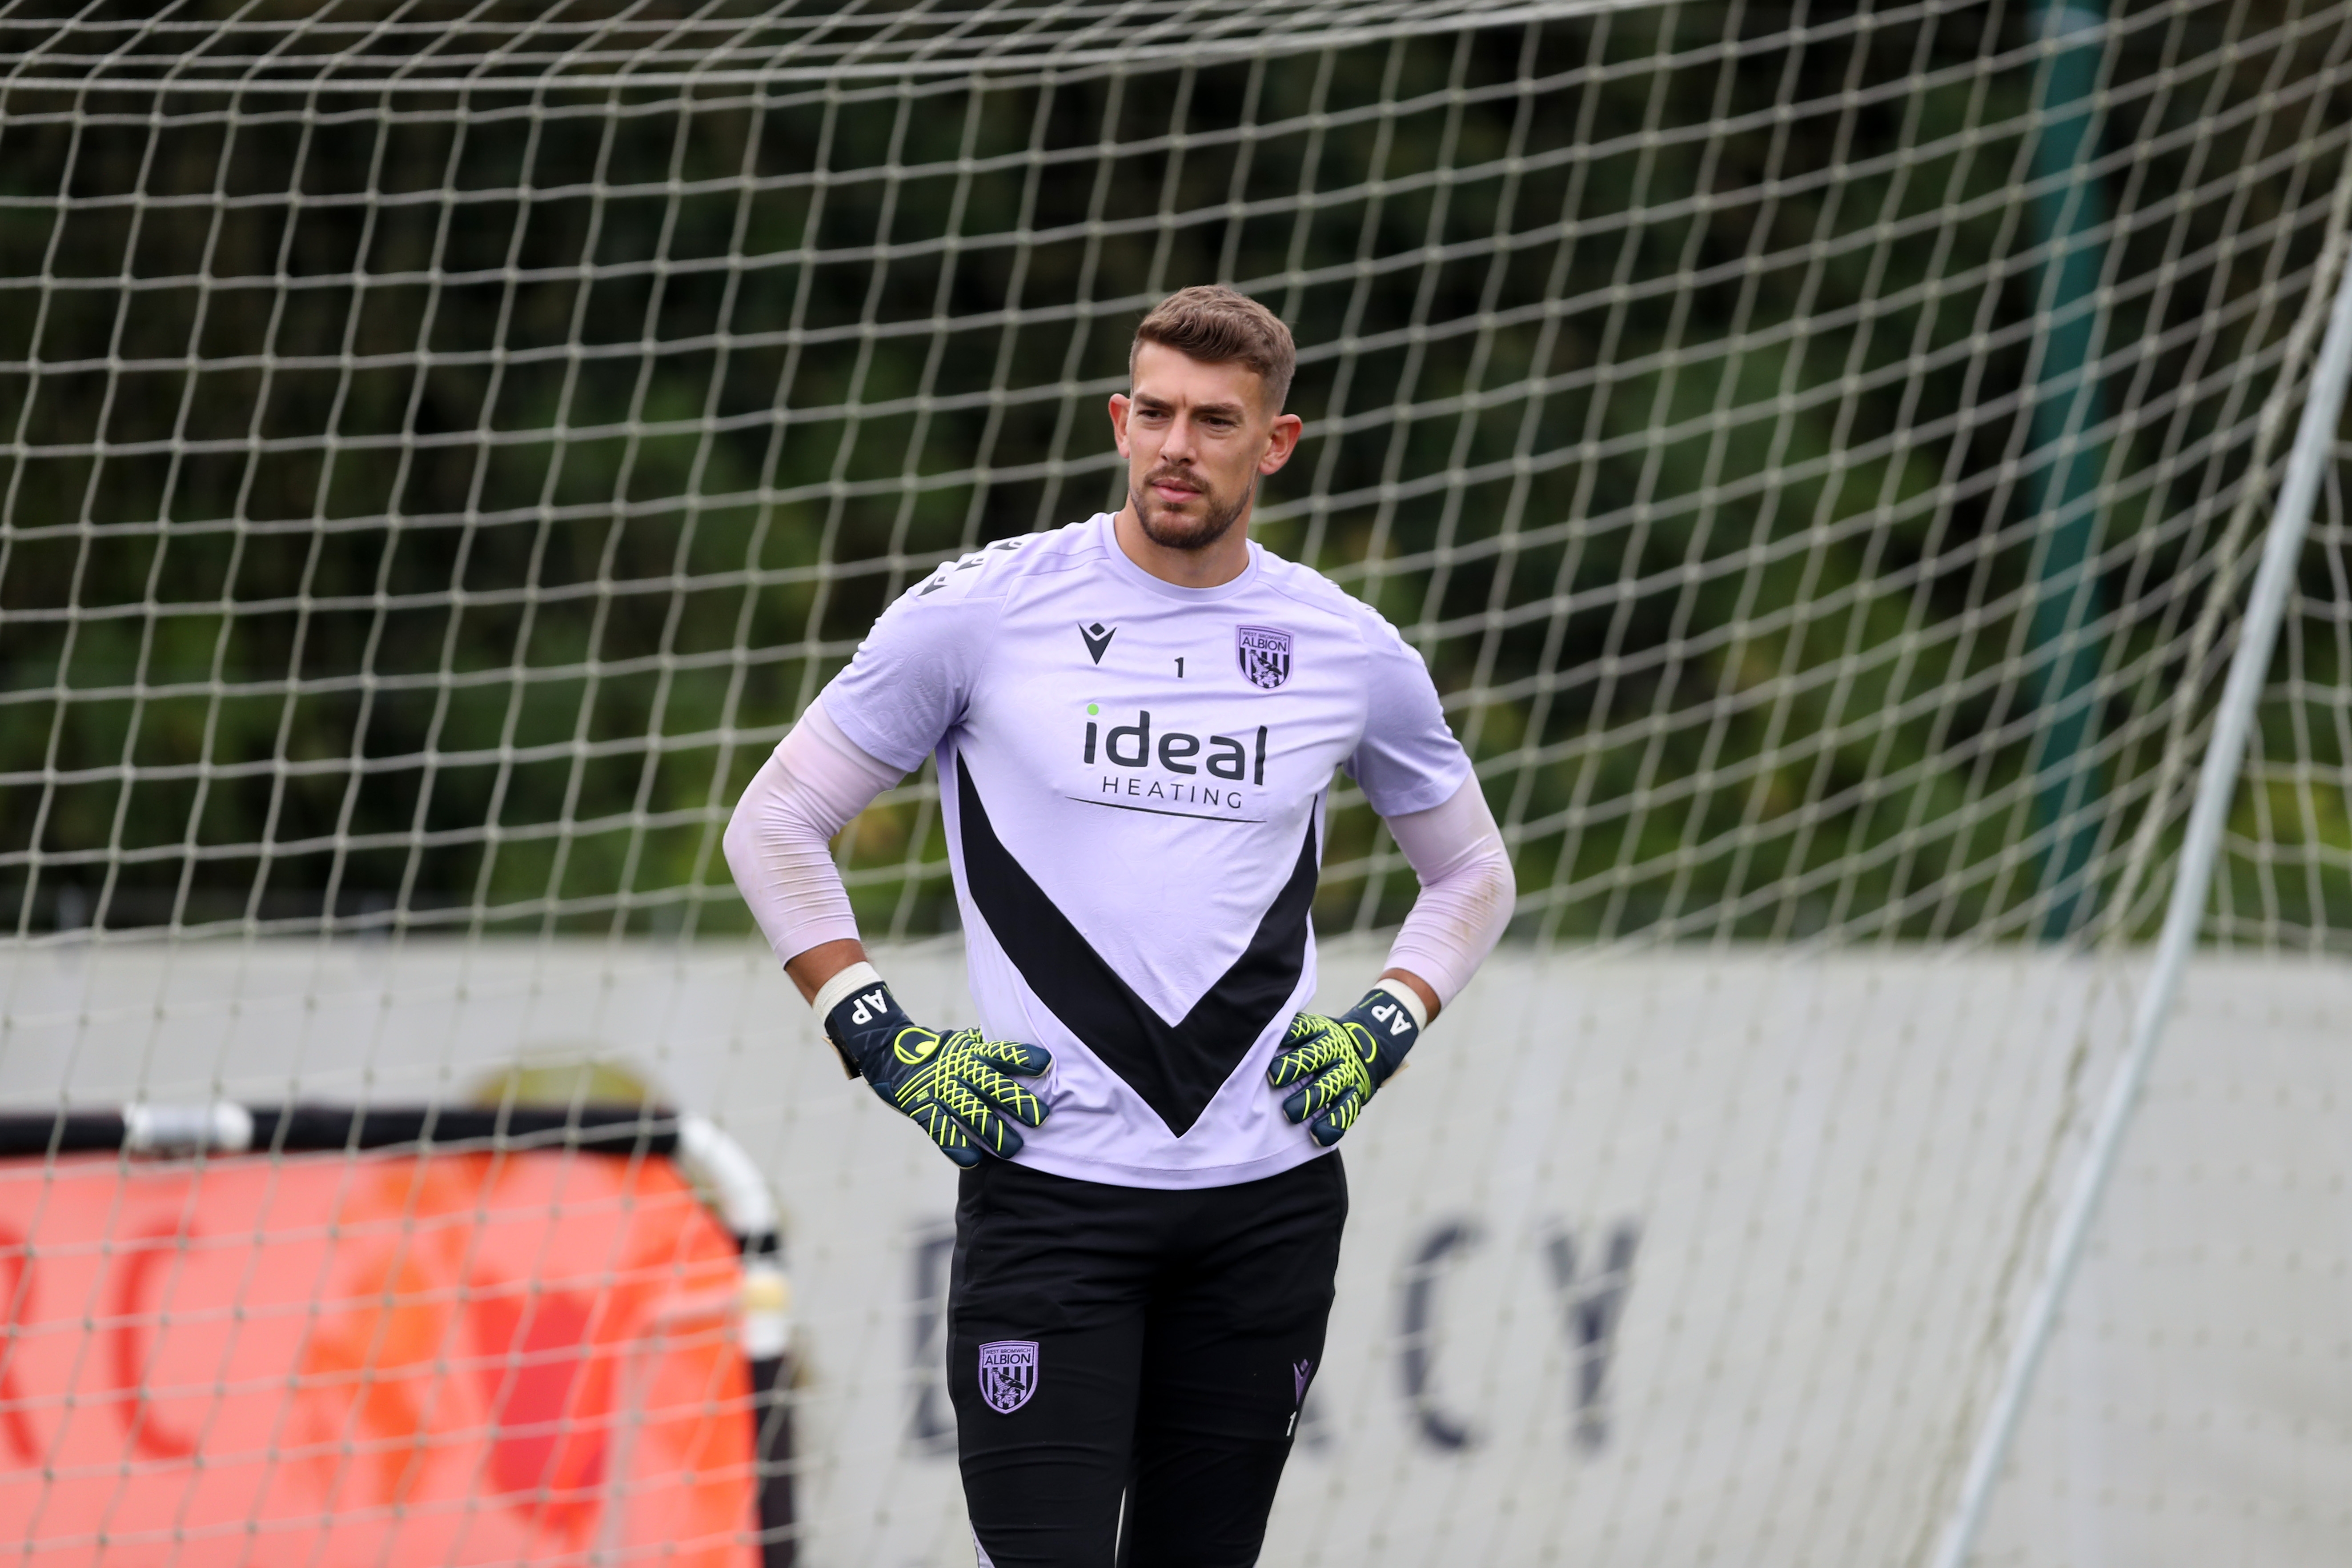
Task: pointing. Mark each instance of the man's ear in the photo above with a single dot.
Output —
(1119, 407)
(1280, 442)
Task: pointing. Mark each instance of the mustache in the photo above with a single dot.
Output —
(1180, 476)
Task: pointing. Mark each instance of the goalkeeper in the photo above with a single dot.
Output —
(1136, 719)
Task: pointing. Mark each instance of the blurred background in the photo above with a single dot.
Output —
(1820, 449)
(1800, 441)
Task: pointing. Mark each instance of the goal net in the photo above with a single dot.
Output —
(1824, 453)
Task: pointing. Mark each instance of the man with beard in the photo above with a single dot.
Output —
(1136, 719)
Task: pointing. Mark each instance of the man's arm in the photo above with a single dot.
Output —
(1333, 1067)
(820, 963)
(872, 724)
(777, 842)
(1423, 991)
(1467, 891)
(963, 1091)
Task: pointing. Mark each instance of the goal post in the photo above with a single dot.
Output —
(2217, 785)
(1824, 454)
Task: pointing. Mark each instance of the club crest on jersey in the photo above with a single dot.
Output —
(1265, 655)
(1008, 1374)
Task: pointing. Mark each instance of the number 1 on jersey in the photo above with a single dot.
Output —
(1179, 667)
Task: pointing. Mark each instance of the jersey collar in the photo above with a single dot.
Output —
(1129, 572)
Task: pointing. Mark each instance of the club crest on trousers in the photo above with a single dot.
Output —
(1265, 656)
(1008, 1374)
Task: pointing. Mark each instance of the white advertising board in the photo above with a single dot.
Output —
(1659, 1258)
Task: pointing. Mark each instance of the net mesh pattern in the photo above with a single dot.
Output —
(2287, 845)
(425, 508)
(413, 49)
(1821, 451)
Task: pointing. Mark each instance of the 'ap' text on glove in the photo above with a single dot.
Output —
(961, 1089)
(1339, 1064)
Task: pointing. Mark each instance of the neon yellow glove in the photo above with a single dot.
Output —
(1339, 1064)
(958, 1087)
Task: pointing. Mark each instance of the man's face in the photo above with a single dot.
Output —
(1196, 438)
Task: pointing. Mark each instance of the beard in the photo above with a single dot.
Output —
(1172, 530)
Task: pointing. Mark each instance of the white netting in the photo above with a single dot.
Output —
(413, 49)
(423, 510)
(1817, 450)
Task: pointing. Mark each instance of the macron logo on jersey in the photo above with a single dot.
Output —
(1097, 638)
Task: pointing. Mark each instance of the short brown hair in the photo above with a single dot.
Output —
(1218, 325)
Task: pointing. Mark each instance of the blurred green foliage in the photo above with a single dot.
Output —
(428, 506)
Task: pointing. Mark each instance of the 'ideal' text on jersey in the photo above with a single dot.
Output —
(1135, 777)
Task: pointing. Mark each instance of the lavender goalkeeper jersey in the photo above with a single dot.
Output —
(1135, 776)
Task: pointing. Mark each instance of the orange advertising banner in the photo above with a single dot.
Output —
(370, 1358)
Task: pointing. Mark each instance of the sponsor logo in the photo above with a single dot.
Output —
(1234, 758)
(1008, 1374)
(1265, 656)
(1098, 639)
(1301, 1371)
(1172, 767)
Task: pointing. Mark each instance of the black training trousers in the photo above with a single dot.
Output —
(1109, 1341)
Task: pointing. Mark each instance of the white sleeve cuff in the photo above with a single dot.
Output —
(836, 991)
(1407, 998)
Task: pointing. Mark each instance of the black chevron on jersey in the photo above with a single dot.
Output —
(1176, 1069)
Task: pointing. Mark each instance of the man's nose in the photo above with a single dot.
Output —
(1178, 447)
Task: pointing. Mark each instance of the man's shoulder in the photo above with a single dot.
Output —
(1314, 592)
(999, 570)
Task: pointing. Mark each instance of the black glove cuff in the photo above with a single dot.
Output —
(848, 1062)
(865, 1021)
(1391, 1024)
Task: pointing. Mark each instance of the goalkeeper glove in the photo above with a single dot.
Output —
(1339, 1064)
(958, 1087)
